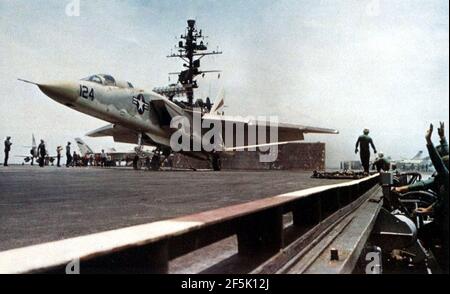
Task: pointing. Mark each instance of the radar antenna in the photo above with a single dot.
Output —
(191, 49)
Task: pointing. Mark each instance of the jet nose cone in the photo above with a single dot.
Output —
(60, 91)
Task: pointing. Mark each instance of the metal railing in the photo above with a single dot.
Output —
(148, 248)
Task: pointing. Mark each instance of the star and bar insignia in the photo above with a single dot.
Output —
(140, 103)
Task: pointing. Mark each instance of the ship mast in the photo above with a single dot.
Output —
(191, 49)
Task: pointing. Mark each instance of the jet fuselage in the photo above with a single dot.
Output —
(127, 106)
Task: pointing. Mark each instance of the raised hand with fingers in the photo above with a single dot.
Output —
(441, 130)
(428, 134)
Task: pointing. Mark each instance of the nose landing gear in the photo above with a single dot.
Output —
(137, 161)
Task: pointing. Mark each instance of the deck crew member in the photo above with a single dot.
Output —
(32, 155)
(147, 163)
(42, 153)
(440, 209)
(363, 143)
(381, 163)
(432, 183)
(75, 159)
(104, 158)
(435, 181)
(58, 155)
(7, 150)
(68, 155)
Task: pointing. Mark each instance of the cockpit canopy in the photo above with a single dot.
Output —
(108, 80)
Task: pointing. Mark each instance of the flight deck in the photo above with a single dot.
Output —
(41, 205)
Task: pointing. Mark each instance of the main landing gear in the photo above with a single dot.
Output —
(216, 162)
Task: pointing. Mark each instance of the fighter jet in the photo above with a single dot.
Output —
(114, 155)
(417, 162)
(34, 153)
(143, 117)
(153, 118)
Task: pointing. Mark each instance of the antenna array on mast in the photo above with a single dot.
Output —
(191, 49)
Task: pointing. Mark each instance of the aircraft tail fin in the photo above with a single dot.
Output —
(34, 149)
(219, 103)
(84, 148)
(418, 155)
(33, 141)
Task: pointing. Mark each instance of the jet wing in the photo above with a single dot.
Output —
(119, 133)
(237, 148)
(29, 156)
(287, 133)
(125, 135)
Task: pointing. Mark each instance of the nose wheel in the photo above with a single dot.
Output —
(137, 161)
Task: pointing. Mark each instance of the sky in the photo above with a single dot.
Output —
(348, 65)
